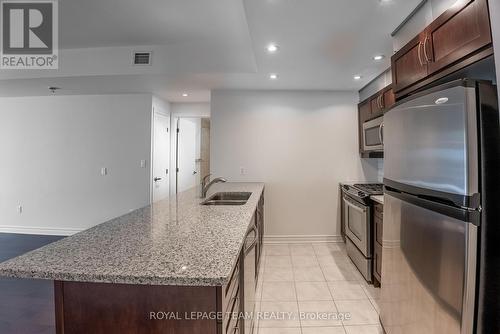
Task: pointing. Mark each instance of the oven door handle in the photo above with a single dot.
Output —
(355, 206)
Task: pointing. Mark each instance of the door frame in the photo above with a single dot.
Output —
(174, 122)
(154, 112)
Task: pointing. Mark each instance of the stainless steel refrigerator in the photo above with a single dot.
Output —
(441, 231)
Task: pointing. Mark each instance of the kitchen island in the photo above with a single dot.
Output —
(175, 266)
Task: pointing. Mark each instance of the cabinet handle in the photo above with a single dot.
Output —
(425, 49)
(420, 53)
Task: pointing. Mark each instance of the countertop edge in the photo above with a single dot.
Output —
(379, 199)
(75, 276)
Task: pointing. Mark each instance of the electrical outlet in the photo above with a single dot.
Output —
(19, 209)
(143, 163)
(242, 171)
(104, 171)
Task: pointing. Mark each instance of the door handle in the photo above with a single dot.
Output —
(420, 53)
(427, 59)
(355, 206)
(156, 179)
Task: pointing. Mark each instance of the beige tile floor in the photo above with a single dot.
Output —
(314, 279)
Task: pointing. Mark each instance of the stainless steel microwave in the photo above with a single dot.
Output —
(373, 135)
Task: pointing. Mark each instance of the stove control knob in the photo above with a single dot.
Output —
(361, 194)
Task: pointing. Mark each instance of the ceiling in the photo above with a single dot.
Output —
(200, 45)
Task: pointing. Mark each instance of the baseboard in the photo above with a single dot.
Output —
(39, 230)
(302, 239)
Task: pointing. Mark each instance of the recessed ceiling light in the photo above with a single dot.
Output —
(441, 100)
(185, 94)
(378, 57)
(272, 48)
(357, 77)
(273, 76)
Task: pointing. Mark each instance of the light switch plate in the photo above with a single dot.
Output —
(104, 171)
(143, 163)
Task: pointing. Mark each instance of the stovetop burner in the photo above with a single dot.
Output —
(371, 188)
(361, 192)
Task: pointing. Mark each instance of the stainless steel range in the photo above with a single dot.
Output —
(357, 223)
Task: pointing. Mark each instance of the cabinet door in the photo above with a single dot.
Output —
(377, 105)
(377, 259)
(456, 34)
(364, 113)
(408, 66)
(389, 99)
(378, 229)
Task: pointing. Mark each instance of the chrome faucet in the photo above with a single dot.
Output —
(205, 186)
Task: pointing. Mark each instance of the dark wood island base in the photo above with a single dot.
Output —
(103, 308)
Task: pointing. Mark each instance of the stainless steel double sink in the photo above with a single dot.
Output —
(228, 198)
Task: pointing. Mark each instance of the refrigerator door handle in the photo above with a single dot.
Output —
(462, 214)
(470, 280)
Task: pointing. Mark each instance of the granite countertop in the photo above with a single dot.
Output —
(378, 199)
(176, 241)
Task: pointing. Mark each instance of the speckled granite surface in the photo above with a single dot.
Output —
(378, 199)
(173, 242)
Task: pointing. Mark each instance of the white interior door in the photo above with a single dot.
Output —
(161, 156)
(187, 174)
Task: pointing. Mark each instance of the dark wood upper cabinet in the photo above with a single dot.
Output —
(408, 66)
(364, 113)
(461, 33)
(457, 33)
(377, 104)
(389, 98)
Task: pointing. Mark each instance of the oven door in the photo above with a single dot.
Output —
(357, 225)
(373, 135)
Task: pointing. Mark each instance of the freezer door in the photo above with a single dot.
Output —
(428, 271)
(431, 142)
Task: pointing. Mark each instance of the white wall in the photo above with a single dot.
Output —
(160, 106)
(52, 151)
(377, 84)
(427, 13)
(301, 144)
(190, 109)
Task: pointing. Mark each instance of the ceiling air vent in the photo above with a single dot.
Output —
(142, 58)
